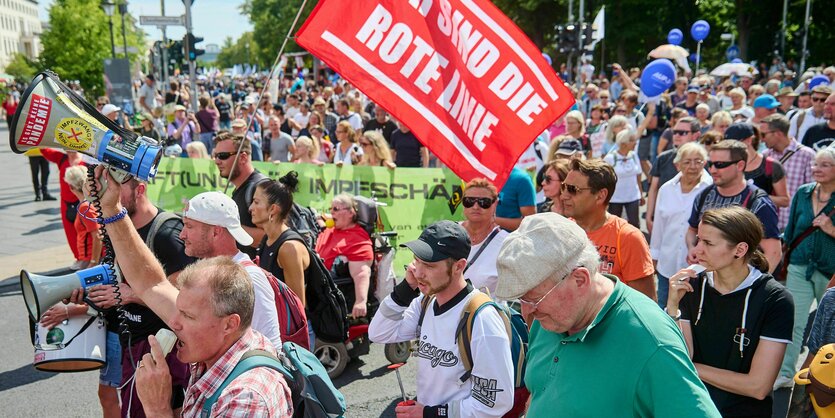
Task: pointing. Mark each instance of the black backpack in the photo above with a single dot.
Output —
(304, 220)
(327, 311)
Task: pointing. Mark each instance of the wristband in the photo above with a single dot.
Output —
(117, 217)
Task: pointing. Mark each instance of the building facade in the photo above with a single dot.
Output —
(20, 30)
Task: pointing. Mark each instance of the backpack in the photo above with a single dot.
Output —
(312, 391)
(517, 331)
(291, 317)
(326, 307)
(157, 223)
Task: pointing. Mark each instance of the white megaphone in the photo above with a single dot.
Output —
(41, 292)
(51, 115)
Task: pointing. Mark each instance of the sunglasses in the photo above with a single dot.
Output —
(721, 164)
(335, 209)
(546, 179)
(365, 144)
(223, 156)
(483, 202)
(682, 133)
(818, 99)
(572, 189)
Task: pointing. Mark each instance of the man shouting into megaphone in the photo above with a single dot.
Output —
(211, 314)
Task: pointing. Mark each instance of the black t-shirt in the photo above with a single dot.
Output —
(761, 180)
(819, 136)
(386, 129)
(769, 314)
(224, 108)
(243, 197)
(170, 250)
(691, 110)
(664, 168)
(407, 148)
(174, 98)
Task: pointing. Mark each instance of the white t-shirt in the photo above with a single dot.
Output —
(346, 157)
(302, 120)
(809, 120)
(148, 95)
(483, 273)
(627, 169)
(489, 390)
(264, 316)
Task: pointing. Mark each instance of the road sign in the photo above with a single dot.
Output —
(161, 20)
(732, 53)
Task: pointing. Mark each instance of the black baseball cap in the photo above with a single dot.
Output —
(439, 241)
(739, 131)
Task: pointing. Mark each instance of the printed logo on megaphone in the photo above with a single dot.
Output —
(74, 133)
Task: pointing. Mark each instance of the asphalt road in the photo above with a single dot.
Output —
(33, 239)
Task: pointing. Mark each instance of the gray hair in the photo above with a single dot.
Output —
(230, 285)
(828, 152)
(623, 137)
(690, 148)
(75, 176)
(348, 201)
(615, 122)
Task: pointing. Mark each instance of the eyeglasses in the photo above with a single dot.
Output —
(721, 164)
(823, 166)
(365, 144)
(223, 156)
(534, 305)
(692, 162)
(764, 133)
(483, 202)
(572, 189)
(682, 133)
(335, 209)
(818, 99)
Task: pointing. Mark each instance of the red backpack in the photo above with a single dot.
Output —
(291, 317)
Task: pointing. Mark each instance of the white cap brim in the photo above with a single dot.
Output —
(240, 235)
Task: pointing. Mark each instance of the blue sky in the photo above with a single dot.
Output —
(214, 20)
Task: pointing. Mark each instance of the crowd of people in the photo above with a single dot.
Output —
(662, 225)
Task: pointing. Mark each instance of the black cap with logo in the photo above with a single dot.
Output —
(439, 241)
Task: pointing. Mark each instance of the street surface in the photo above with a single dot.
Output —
(33, 239)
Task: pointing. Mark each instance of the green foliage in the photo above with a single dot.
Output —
(271, 19)
(244, 50)
(21, 68)
(78, 41)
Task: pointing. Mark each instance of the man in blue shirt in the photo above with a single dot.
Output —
(516, 200)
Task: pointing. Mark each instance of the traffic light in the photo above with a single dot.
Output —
(175, 55)
(588, 33)
(190, 42)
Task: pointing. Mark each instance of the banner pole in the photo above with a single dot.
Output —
(264, 89)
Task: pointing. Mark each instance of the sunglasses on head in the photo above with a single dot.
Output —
(572, 189)
(223, 156)
(721, 164)
(483, 202)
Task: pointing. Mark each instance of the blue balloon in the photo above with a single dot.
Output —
(736, 61)
(657, 77)
(700, 30)
(693, 56)
(547, 58)
(818, 80)
(675, 36)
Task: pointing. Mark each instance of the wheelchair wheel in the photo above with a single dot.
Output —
(398, 352)
(333, 356)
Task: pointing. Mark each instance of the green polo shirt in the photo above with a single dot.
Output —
(631, 361)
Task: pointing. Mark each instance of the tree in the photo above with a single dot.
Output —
(242, 51)
(21, 68)
(271, 19)
(78, 41)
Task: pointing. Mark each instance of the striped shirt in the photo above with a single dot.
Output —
(260, 392)
(797, 163)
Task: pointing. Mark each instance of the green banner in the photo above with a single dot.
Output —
(413, 197)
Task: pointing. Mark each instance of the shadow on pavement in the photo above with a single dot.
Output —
(389, 411)
(46, 228)
(47, 211)
(21, 376)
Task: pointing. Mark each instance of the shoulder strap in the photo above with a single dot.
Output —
(424, 305)
(464, 330)
(786, 156)
(159, 220)
(480, 249)
(769, 167)
(808, 231)
(703, 197)
(250, 360)
(801, 115)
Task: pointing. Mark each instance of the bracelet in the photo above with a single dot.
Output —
(117, 217)
(675, 317)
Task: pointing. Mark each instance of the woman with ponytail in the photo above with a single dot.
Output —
(282, 252)
(736, 319)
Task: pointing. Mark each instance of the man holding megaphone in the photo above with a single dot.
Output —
(210, 313)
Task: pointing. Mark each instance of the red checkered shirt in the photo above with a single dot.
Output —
(798, 168)
(260, 392)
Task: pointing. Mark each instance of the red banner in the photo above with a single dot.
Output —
(458, 73)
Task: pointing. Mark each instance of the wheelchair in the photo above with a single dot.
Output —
(336, 356)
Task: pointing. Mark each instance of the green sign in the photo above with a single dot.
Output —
(411, 198)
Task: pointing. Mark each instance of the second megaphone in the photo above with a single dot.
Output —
(41, 292)
(51, 115)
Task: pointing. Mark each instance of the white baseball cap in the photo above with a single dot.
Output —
(109, 108)
(216, 208)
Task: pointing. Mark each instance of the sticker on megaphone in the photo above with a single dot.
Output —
(51, 115)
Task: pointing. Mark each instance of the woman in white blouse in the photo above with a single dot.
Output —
(347, 151)
(675, 198)
(624, 160)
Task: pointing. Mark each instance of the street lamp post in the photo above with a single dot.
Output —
(108, 10)
(123, 10)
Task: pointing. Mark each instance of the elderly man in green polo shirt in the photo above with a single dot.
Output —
(597, 347)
